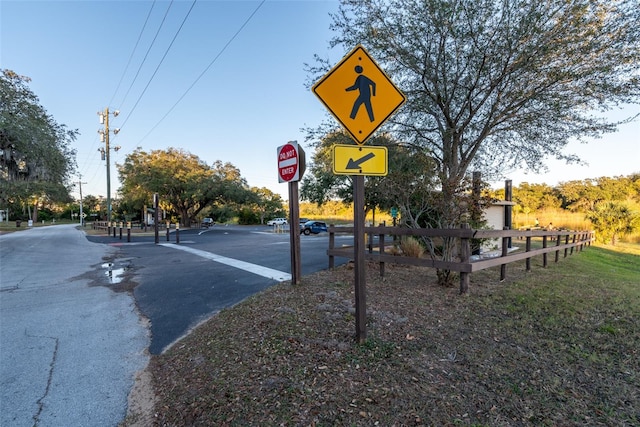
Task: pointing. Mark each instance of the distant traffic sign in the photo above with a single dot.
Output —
(359, 94)
(291, 162)
(360, 160)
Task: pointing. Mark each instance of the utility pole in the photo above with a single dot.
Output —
(81, 213)
(104, 137)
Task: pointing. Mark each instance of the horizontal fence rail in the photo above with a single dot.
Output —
(553, 241)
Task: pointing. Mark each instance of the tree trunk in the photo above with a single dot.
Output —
(184, 217)
(450, 218)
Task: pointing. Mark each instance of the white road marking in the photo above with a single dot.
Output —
(269, 273)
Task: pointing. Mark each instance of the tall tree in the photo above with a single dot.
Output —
(533, 197)
(266, 204)
(494, 84)
(36, 161)
(185, 184)
(582, 196)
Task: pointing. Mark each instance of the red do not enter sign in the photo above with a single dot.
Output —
(290, 162)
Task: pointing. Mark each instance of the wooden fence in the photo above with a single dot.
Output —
(553, 241)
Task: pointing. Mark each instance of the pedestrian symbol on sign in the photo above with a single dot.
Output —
(367, 88)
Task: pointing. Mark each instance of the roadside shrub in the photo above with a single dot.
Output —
(411, 247)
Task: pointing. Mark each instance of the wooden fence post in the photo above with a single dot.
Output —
(381, 252)
(558, 251)
(528, 249)
(332, 240)
(465, 256)
(544, 255)
(505, 252)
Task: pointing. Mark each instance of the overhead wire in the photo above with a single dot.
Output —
(205, 70)
(158, 66)
(135, 78)
(87, 162)
(126, 68)
(145, 58)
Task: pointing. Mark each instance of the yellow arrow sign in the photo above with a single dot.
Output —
(360, 160)
(359, 94)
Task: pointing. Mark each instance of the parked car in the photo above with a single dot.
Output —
(303, 220)
(277, 221)
(206, 223)
(314, 227)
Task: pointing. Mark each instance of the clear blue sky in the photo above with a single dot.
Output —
(250, 100)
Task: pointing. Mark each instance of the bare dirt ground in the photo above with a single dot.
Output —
(537, 349)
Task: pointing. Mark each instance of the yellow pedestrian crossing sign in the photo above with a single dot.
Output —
(359, 94)
(360, 160)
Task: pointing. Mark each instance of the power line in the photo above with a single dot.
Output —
(213, 61)
(147, 53)
(87, 164)
(96, 170)
(132, 52)
(205, 70)
(159, 64)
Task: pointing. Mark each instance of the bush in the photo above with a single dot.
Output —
(247, 216)
(411, 247)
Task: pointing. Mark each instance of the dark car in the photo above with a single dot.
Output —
(314, 227)
(207, 222)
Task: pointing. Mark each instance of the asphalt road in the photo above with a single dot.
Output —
(178, 286)
(69, 349)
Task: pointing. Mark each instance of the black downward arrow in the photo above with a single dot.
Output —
(355, 164)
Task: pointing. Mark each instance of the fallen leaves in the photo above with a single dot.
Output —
(288, 357)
